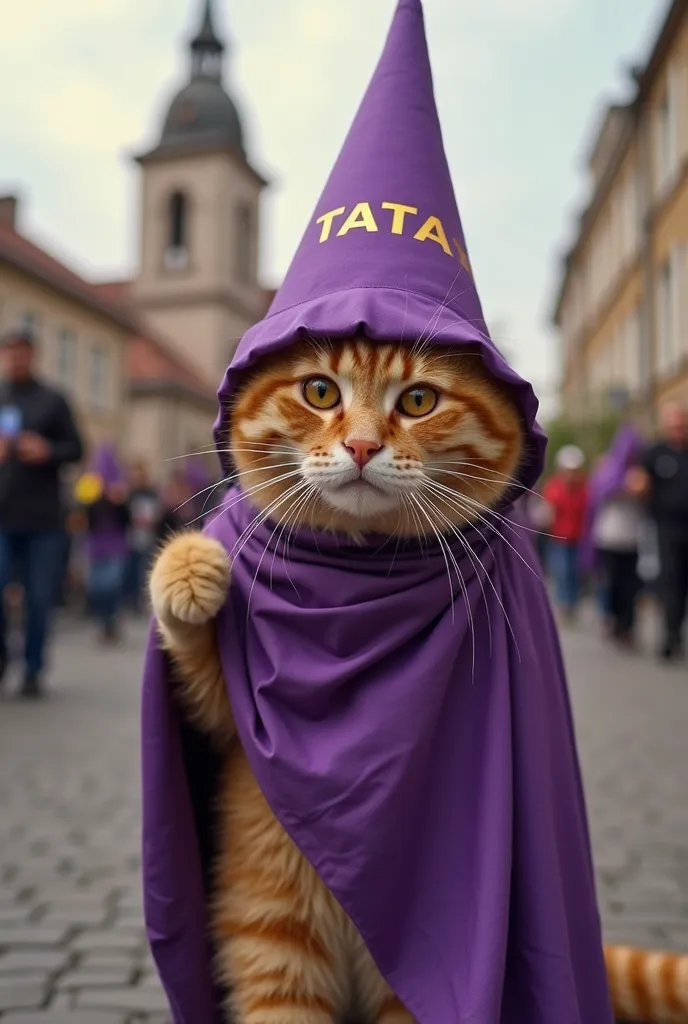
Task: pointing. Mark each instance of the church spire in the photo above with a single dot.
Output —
(206, 47)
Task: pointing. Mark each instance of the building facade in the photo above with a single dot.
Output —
(142, 359)
(83, 337)
(622, 307)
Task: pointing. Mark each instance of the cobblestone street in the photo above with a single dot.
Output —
(72, 947)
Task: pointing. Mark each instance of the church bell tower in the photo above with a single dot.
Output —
(198, 284)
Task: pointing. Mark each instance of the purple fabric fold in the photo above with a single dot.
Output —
(438, 796)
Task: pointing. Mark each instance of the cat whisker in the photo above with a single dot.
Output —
(264, 552)
(213, 487)
(497, 478)
(225, 504)
(473, 557)
(296, 509)
(459, 575)
(418, 522)
(418, 346)
(514, 527)
(261, 517)
(462, 507)
(443, 547)
(464, 541)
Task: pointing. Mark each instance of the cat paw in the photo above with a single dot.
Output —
(190, 579)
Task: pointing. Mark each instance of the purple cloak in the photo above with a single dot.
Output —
(440, 800)
(414, 740)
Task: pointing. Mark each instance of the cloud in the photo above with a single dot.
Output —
(84, 84)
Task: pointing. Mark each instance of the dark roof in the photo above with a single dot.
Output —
(199, 110)
(206, 38)
(24, 255)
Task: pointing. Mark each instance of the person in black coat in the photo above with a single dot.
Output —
(38, 437)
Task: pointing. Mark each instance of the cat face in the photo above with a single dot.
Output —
(366, 437)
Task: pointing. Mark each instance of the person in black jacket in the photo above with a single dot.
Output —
(664, 481)
(38, 437)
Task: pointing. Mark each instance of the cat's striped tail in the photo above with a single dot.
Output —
(648, 986)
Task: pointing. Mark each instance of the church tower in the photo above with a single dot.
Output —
(200, 207)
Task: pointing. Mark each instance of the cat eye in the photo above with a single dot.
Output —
(321, 393)
(417, 401)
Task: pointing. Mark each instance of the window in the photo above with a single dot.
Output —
(666, 132)
(100, 378)
(244, 244)
(177, 250)
(66, 359)
(634, 352)
(629, 217)
(31, 321)
(670, 314)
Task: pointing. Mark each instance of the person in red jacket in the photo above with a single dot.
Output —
(567, 495)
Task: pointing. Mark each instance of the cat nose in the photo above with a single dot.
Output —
(361, 451)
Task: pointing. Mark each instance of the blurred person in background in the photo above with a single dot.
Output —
(108, 522)
(38, 437)
(566, 493)
(178, 510)
(663, 481)
(203, 495)
(539, 514)
(144, 513)
(612, 533)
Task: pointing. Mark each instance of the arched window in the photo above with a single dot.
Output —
(176, 253)
(244, 244)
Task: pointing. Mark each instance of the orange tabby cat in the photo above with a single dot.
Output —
(648, 986)
(356, 438)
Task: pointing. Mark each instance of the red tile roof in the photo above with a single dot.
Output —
(20, 252)
(151, 360)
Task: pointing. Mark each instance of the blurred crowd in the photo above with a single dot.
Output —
(67, 537)
(114, 519)
(620, 530)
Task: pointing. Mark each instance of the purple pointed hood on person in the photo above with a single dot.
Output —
(105, 462)
(411, 732)
(606, 480)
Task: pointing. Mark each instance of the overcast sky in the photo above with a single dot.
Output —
(519, 85)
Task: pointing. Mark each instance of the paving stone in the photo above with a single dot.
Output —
(14, 915)
(18, 993)
(31, 961)
(54, 1016)
(33, 935)
(107, 958)
(136, 1000)
(90, 941)
(69, 826)
(102, 977)
(85, 917)
(61, 1001)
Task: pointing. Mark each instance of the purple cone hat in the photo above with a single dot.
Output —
(106, 464)
(410, 730)
(384, 251)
